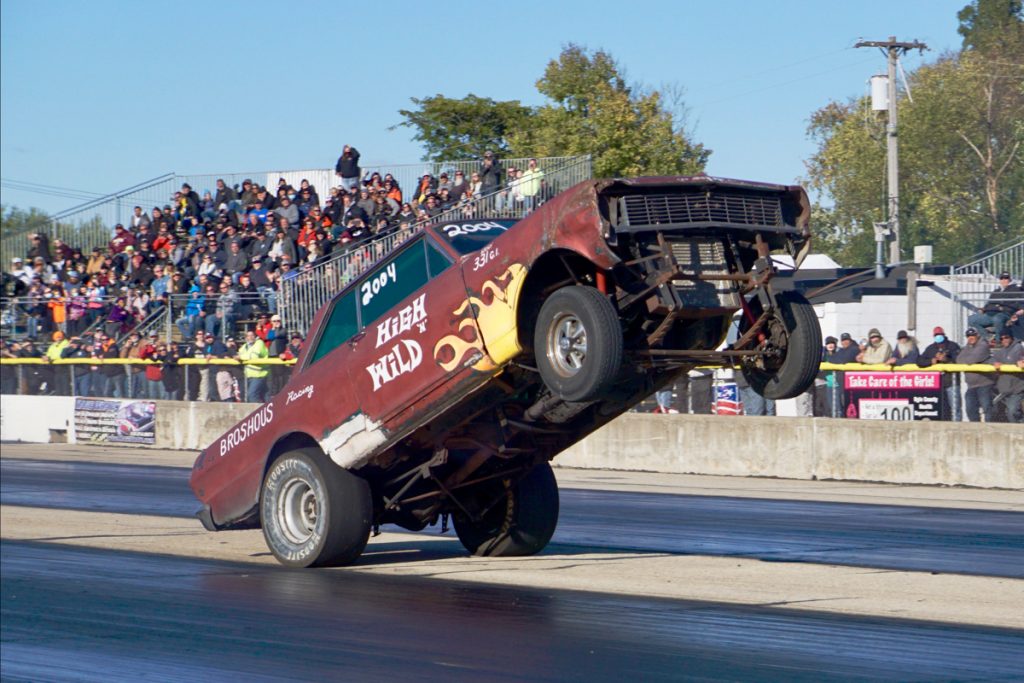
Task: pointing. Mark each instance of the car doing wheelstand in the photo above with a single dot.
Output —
(441, 382)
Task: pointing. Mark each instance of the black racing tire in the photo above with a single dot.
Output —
(520, 523)
(314, 513)
(578, 343)
(796, 333)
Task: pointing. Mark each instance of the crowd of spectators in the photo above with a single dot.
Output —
(216, 261)
(997, 340)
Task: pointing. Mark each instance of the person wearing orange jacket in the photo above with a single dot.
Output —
(55, 301)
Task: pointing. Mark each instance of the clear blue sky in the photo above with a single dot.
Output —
(100, 95)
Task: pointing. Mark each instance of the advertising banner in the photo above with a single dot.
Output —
(894, 395)
(727, 399)
(115, 421)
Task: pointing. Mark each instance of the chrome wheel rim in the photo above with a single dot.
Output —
(567, 344)
(298, 510)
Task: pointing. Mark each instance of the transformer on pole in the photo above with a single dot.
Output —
(893, 48)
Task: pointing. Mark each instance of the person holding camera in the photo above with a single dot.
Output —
(347, 168)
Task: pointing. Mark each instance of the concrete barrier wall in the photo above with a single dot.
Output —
(968, 454)
(951, 453)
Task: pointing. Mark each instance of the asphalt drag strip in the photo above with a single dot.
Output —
(75, 613)
(949, 598)
(987, 542)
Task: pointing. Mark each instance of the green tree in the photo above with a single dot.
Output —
(961, 170)
(992, 26)
(463, 129)
(592, 110)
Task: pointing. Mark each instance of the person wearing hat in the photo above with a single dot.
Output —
(490, 173)
(943, 350)
(1004, 301)
(347, 168)
(1009, 386)
(978, 397)
(877, 351)
(831, 397)
(78, 349)
(906, 351)
(122, 238)
(19, 271)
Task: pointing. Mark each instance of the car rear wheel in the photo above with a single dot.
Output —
(793, 345)
(578, 343)
(520, 520)
(313, 512)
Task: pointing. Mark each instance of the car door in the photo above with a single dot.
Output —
(413, 326)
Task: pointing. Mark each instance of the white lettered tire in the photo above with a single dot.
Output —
(314, 513)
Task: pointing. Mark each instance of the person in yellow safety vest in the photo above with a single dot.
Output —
(57, 379)
(255, 375)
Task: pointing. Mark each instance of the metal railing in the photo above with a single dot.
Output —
(971, 283)
(303, 294)
(91, 224)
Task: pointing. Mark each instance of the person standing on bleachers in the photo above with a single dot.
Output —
(347, 168)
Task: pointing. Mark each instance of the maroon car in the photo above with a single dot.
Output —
(441, 382)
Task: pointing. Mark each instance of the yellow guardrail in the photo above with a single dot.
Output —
(850, 367)
(139, 361)
(938, 367)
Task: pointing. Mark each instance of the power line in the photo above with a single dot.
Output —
(755, 74)
(49, 190)
(789, 82)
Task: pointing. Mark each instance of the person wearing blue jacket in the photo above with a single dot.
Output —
(189, 322)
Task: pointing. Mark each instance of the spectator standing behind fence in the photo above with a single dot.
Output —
(753, 402)
(347, 168)
(529, 184)
(1010, 386)
(943, 350)
(490, 173)
(227, 375)
(877, 350)
(153, 371)
(77, 350)
(906, 351)
(1002, 303)
(114, 373)
(830, 399)
(256, 375)
(978, 397)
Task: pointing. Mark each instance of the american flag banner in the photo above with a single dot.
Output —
(727, 399)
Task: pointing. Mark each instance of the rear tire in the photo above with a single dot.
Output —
(314, 513)
(520, 523)
(578, 344)
(795, 332)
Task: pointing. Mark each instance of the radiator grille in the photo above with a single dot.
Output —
(704, 257)
(713, 207)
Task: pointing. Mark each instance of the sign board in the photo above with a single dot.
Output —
(727, 399)
(894, 395)
(115, 421)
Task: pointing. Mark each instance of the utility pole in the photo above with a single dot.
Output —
(893, 48)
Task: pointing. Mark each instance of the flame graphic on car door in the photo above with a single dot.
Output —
(495, 313)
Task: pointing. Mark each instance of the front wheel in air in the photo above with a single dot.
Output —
(314, 513)
(578, 343)
(792, 349)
